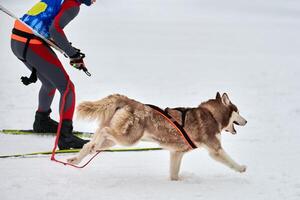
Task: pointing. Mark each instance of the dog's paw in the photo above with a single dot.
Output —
(73, 161)
(242, 168)
(174, 178)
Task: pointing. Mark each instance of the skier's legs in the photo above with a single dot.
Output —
(46, 93)
(51, 73)
(48, 66)
(53, 70)
(46, 96)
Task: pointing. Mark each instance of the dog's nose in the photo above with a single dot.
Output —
(246, 122)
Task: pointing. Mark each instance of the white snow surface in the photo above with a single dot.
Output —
(168, 53)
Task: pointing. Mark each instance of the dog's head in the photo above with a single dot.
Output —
(225, 112)
(232, 113)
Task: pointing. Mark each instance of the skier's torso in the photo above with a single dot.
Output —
(41, 15)
(49, 21)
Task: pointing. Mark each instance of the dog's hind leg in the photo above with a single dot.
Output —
(98, 142)
(175, 161)
(218, 154)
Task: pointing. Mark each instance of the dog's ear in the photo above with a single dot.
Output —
(218, 96)
(225, 99)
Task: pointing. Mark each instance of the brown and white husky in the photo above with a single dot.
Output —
(125, 121)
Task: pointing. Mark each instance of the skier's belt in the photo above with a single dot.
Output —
(23, 36)
(28, 39)
(178, 127)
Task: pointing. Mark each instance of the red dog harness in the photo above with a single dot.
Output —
(176, 125)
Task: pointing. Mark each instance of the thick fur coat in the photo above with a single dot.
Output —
(125, 121)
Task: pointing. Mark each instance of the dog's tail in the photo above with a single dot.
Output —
(101, 110)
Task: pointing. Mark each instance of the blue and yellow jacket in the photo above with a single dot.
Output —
(42, 14)
(48, 18)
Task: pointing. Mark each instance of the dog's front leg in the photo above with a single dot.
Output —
(175, 161)
(86, 149)
(89, 147)
(221, 156)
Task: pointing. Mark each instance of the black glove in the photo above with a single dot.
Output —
(77, 62)
(78, 50)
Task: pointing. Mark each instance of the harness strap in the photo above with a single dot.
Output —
(179, 127)
(183, 114)
(58, 133)
(28, 36)
(25, 34)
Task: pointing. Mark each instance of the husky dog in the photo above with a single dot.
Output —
(125, 121)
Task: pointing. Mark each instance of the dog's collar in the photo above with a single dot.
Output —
(176, 125)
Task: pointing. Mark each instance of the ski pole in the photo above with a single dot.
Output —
(6, 11)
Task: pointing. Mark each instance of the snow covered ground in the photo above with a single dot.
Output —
(169, 53)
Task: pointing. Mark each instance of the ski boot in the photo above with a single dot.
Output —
(67, 139)
(43, 123)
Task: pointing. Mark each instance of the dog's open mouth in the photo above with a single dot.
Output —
(231, 129)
